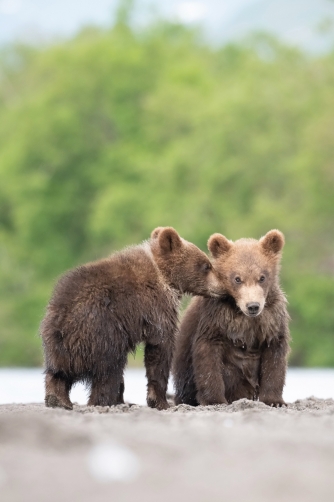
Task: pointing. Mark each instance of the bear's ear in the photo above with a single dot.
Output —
(272, 242)
(218, 245)
(156, 232)
(169, 240)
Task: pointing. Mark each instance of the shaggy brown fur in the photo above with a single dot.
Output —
(99, 312)
(236, 346)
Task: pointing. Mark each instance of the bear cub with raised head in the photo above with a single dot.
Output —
(236, 346)
(100, 311)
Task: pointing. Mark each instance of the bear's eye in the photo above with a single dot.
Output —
(237, 280)
(206, 267)
(262, 278)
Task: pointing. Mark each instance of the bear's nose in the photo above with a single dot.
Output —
(253, 308)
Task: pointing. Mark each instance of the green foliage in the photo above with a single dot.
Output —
(104, 137)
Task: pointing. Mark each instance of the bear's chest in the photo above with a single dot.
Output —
(243, 341)
(243, 351)
(247, 335)
(242, 359)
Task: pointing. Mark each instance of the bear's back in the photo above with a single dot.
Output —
(123, 273)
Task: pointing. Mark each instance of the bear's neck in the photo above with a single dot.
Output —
(165, 276)
(236, 326)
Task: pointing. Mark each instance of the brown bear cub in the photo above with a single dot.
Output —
(100, 311)
(236, 346)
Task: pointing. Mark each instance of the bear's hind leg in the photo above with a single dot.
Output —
(107, 389)
(57, 390)
(157, 363)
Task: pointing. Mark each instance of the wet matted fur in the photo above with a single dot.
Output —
(236, 346)
(100, 311)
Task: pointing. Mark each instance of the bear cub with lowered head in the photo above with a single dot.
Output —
(100, 311)
(236, 346)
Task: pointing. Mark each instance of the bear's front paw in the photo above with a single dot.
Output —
(157, 404)
(52, 401)
(207, 401)
(275, 402)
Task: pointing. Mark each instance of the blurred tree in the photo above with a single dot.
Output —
(104, 137)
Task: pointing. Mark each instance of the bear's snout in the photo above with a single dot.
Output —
(250, 299)
(253, 308)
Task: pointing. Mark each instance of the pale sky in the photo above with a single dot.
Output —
(292, 20)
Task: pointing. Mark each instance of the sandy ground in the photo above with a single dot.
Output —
(243, 452)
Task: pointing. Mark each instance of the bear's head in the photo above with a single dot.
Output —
(184, 266)
(249, 268)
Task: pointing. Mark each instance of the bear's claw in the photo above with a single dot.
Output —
(52, 401)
